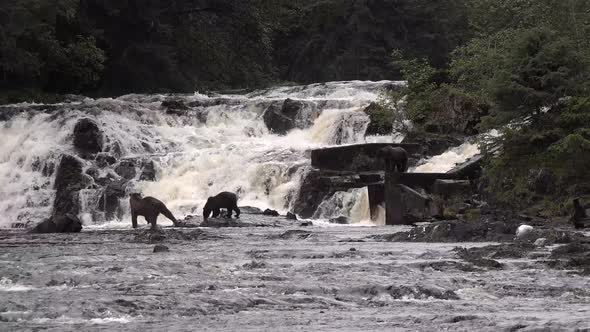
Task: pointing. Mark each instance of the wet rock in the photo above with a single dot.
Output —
(476, 259)
(250, 210)
(306, 224)
(88, 138)
(342, 220)
(295, 234)
(420, 293)
(254, 265)
(110, 199)
(378, 125)
(291, 216)
(269, 212)
(161, 248)
(174, 106)
(150, 235)
(462, 318)
(575, 255)
(314, 189)
(69, 180)
(540, 242)
(104, 159)
(59, 224)
(500, 251)
(441, 265)
(455, 231)
(292, 114)
(227, 222)
(148, 171)
(126, 169)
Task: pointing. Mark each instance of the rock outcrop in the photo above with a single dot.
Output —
(292, 114)
(59, 224)
(69, 180)
(88, 138)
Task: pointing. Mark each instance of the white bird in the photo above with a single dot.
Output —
(523, 230)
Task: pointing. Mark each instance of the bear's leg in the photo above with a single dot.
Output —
(151, 219)
(237, 210)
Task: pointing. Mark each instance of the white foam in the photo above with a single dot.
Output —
(7, 285)
(449, 159)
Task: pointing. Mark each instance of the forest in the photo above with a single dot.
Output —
(112, 47)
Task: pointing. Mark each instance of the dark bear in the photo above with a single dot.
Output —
(580, 216)
(394, 157)
(223, 200)
(149, 208)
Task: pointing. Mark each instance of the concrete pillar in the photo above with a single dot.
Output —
(376, 198)
(394, 210)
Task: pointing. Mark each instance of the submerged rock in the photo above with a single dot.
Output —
(575, 255)
(269, 212)
(69, 180)
(292, 114)
(250, 210)
(454, 231)
(294, 234)
(342, 220)
(161, 248)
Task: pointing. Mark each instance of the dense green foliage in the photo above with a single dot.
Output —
(100, 47)
(526, 71)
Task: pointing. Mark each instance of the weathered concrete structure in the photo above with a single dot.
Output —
(404, 194)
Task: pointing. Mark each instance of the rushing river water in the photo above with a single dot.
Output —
(265, 278)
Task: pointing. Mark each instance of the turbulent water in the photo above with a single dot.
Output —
(253, 279)
(222, 144)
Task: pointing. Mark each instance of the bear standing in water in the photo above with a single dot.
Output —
(149, 208)
(223, 200)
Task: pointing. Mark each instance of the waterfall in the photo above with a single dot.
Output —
(218, 142)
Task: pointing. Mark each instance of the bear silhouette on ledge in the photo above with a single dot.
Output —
(394, 158)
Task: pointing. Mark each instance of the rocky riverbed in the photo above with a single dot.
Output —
(285, 277)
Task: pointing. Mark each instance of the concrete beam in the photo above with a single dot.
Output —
(355, 158)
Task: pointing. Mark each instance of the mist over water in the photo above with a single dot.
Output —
(220, 144)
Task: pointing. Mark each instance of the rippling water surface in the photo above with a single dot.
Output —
(273, 278)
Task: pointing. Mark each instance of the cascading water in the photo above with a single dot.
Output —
(218, 143)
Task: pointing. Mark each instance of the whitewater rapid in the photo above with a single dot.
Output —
(221, 145)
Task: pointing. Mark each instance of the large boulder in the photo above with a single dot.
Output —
(126, 169)
(314, 189)
(292, 114)
(69, 180)
(455, 231)
(148, 171)
(67, 223)
(109, 200)
(88, 138)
